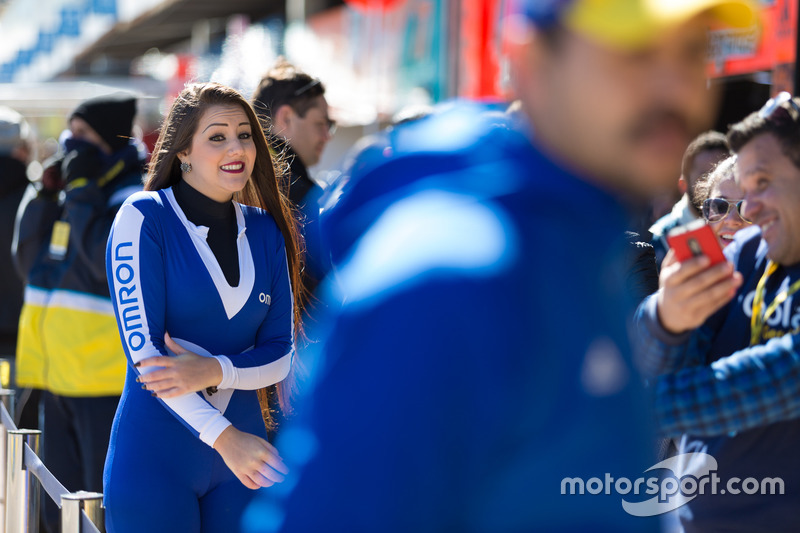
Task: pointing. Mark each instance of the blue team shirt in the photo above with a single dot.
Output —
(164, 277)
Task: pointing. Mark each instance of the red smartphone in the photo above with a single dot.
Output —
(693, 239)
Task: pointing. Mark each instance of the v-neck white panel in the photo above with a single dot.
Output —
(233, 298)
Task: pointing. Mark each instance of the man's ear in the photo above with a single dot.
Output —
(683, 185)
(528, 55)
(282, 119)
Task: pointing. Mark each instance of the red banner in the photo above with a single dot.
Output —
(743, 51)
(372, 5)
(482, 58)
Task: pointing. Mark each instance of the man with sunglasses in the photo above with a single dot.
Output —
(721, 343)
(299, 129)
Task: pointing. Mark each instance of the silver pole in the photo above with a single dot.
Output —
(71, 506)
(7, 399)
(295, 11)
(22, 488)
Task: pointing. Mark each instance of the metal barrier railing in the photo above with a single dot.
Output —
(21, 474)
(22, 490)
(7, 399)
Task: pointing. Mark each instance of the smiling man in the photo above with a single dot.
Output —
(732, 386)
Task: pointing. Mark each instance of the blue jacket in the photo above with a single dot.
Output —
(478, 356)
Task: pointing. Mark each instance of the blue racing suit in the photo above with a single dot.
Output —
(162, 473)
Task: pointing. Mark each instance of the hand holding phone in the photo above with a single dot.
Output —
(695, 239)
(688, 292)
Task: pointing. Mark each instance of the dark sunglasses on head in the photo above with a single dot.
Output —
(775, 110)
(308, 86)
(716, 209)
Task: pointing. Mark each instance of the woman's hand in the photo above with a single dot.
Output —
(252, 459)
(186, 372)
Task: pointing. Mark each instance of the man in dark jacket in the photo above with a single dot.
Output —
(299, 129)
(69, 344)
(15, 154)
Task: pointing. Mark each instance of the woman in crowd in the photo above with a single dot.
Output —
(720, 200)
(203, 269)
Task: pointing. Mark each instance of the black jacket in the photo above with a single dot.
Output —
(13, 181)
(304, 194)
(642, 275)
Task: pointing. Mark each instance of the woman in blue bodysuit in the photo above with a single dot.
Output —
(204, 276)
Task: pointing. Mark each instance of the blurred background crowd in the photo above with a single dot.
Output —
(376, 57)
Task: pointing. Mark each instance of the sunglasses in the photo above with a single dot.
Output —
(716, 209)
(307, 87)
(310, 85)
(774, 110)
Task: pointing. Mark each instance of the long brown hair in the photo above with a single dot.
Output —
(261, 191)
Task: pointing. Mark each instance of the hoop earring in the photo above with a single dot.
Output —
(186, 167)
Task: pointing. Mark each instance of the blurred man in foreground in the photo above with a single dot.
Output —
(480, 361)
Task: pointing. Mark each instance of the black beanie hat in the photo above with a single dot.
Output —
(111, 116)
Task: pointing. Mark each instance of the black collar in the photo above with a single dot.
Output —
(199, 208)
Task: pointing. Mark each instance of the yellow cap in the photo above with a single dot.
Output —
(633, 23)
